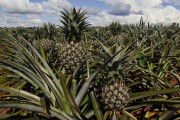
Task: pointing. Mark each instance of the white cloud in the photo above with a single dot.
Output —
(91, 11)
(28, 13)
(26, 6)
(20, 6)
(53, 6)
(14, 20)
(34, 20)
(103, 18)
(151, 10)
(165, 15)
(9, 20)
(37, 21)
(135, 4)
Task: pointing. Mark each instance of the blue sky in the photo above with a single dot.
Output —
(100, 12)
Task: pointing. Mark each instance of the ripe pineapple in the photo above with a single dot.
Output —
(73, 52)
(115, 93)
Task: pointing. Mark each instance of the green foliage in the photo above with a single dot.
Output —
(147, 61)
(54, 98)
(50, 31)
(115, 28)
(74, 23)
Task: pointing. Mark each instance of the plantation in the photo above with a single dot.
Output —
(82, 72)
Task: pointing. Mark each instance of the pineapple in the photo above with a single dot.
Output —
(45, 43)
(114, 92)
(115, 96)
(72, 55)
(73, 52)
(45, 36)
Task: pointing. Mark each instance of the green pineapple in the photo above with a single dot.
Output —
(73, 52)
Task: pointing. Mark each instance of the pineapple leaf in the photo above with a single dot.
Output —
(140, 95)
(96, 106)
(28, 106)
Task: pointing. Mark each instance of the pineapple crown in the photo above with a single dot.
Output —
(50, 30)
(121, 63)
(73, 24)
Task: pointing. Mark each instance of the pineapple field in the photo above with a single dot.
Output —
(77, 71)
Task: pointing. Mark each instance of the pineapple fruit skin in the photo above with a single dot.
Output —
(115, 96)
(72, 55)
(45, 43)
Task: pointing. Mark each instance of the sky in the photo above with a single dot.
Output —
(30, 13)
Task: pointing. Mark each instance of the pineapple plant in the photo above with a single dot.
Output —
(44, 36)
(73, 25)
(115, 28)
(114, 92)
